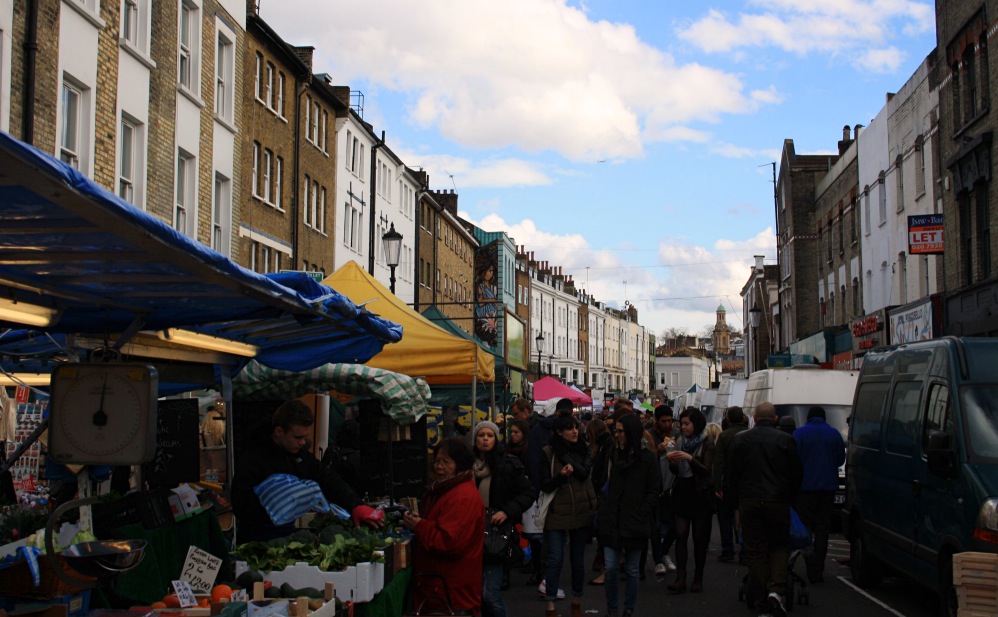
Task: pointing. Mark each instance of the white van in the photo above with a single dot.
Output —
(795, 390)
(713, 414)
(731, 393)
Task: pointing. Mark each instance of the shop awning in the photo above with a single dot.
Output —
(91, 264)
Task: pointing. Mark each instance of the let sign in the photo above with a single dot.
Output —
(925, 234)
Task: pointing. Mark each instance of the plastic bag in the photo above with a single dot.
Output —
(800, 536)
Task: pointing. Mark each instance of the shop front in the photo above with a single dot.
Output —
(868, 332)
(972, 311)
(916, 321)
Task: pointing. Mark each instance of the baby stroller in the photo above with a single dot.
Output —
(797, 592)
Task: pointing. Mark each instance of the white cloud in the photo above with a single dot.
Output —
(857, 29)
(680, 287)
(537, 75)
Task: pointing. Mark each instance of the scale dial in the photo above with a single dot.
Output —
(103, 414)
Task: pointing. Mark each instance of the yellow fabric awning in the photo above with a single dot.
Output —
(426, 350)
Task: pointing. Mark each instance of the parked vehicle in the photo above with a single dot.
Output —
(730, 392)
(710, 412)
(922, 462)
(796, 389)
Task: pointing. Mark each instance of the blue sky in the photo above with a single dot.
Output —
(629, 142)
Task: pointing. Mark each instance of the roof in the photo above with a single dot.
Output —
(107, 271)
(427, 350)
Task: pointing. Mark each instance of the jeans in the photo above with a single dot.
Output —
(611, 557)
(766, 533)
(555, 541)
(492, 602)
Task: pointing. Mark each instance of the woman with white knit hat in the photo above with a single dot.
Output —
(506, 493)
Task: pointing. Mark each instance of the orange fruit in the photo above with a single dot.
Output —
(220, 592)
(158, 605)
(204, 602)
(171, 601)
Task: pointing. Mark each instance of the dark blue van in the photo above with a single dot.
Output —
(922, 462)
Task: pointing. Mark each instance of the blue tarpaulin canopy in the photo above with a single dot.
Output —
(110, 271)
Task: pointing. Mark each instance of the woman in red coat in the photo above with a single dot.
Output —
(449, 532)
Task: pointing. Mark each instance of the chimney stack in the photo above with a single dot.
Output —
(758, 263)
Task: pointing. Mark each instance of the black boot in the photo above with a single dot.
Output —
(678, 585)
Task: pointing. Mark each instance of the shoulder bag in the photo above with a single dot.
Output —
(501, 541)
(544, 502)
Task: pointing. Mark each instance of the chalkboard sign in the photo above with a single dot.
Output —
(177, 458)
(408, 457)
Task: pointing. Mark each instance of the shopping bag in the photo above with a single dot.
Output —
(800, 536)
(541, 507)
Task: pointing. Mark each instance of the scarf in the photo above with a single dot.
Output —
(483, 477)
(690, 446)
(441, 486)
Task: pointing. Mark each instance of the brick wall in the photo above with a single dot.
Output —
(161, 151)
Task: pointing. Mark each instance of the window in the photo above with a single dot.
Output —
(865, 426)
(900, 183)
(126, 159)
(130, 22)
(919, 165)
(306, 209)
(322, 210)
(983, 230)
(70, 139)
(313, 205)
(186, 170)
(268, 158)
(224, 73)
(903, 277)
(279, 101)
(255, 177)
(313, 130)
(866, 209)
(966, 239)
(901, 423)
(269, 84)
(882, 198)
(189, 47)
(278, 182)
(937, 415)
(308, 117)
(258, 77)
(221, 206)
(322, 130)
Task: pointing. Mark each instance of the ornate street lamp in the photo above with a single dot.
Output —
(393, 247)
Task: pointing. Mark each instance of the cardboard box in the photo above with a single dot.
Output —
(356, 583)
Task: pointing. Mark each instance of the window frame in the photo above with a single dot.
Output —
(186, 187)
(225, 60)
(71, 154)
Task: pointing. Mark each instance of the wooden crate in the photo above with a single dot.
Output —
(975, 566)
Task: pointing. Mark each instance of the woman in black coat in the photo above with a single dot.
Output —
(506, 493)
(627, 509)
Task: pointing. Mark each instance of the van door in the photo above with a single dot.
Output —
(937, 505)
(901, 454)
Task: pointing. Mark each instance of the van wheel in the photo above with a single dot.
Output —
(866, 570)
(948, 600)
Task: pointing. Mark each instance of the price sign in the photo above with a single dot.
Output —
(184, 594)
(200, 570)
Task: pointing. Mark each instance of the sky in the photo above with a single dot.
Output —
(630, 142)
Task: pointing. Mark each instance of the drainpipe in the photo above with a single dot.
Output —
(30, 62)
(374, 203)
(416, 244)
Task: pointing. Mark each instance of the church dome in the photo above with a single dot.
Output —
(720, 308)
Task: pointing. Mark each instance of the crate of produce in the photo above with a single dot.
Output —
(356, 583)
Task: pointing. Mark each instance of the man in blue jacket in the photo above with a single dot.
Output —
(822, 452)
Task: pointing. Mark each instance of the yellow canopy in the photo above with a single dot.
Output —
(426, 350)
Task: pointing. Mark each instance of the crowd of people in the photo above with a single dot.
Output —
(624, 479)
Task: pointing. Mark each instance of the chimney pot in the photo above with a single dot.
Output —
(845, 133)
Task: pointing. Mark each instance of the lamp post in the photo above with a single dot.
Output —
(393, 247)
(755, 313)
(539, 343)
(606, 379)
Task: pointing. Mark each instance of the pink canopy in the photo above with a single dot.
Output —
(549, 388)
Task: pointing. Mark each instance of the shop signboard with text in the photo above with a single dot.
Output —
(925, 234)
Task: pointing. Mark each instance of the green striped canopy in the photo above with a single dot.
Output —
(405, 399)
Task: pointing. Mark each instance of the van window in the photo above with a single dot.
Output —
(901, 422)
(937, 414)
(865, 429)
(912, 361)
(980, 408)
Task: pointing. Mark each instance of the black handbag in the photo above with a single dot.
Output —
(501, 541)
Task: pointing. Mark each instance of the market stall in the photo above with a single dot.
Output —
(127, 310)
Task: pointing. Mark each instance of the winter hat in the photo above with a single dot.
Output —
(486, 424)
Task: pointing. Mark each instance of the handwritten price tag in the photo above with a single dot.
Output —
(200, 570)
(184, 594)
